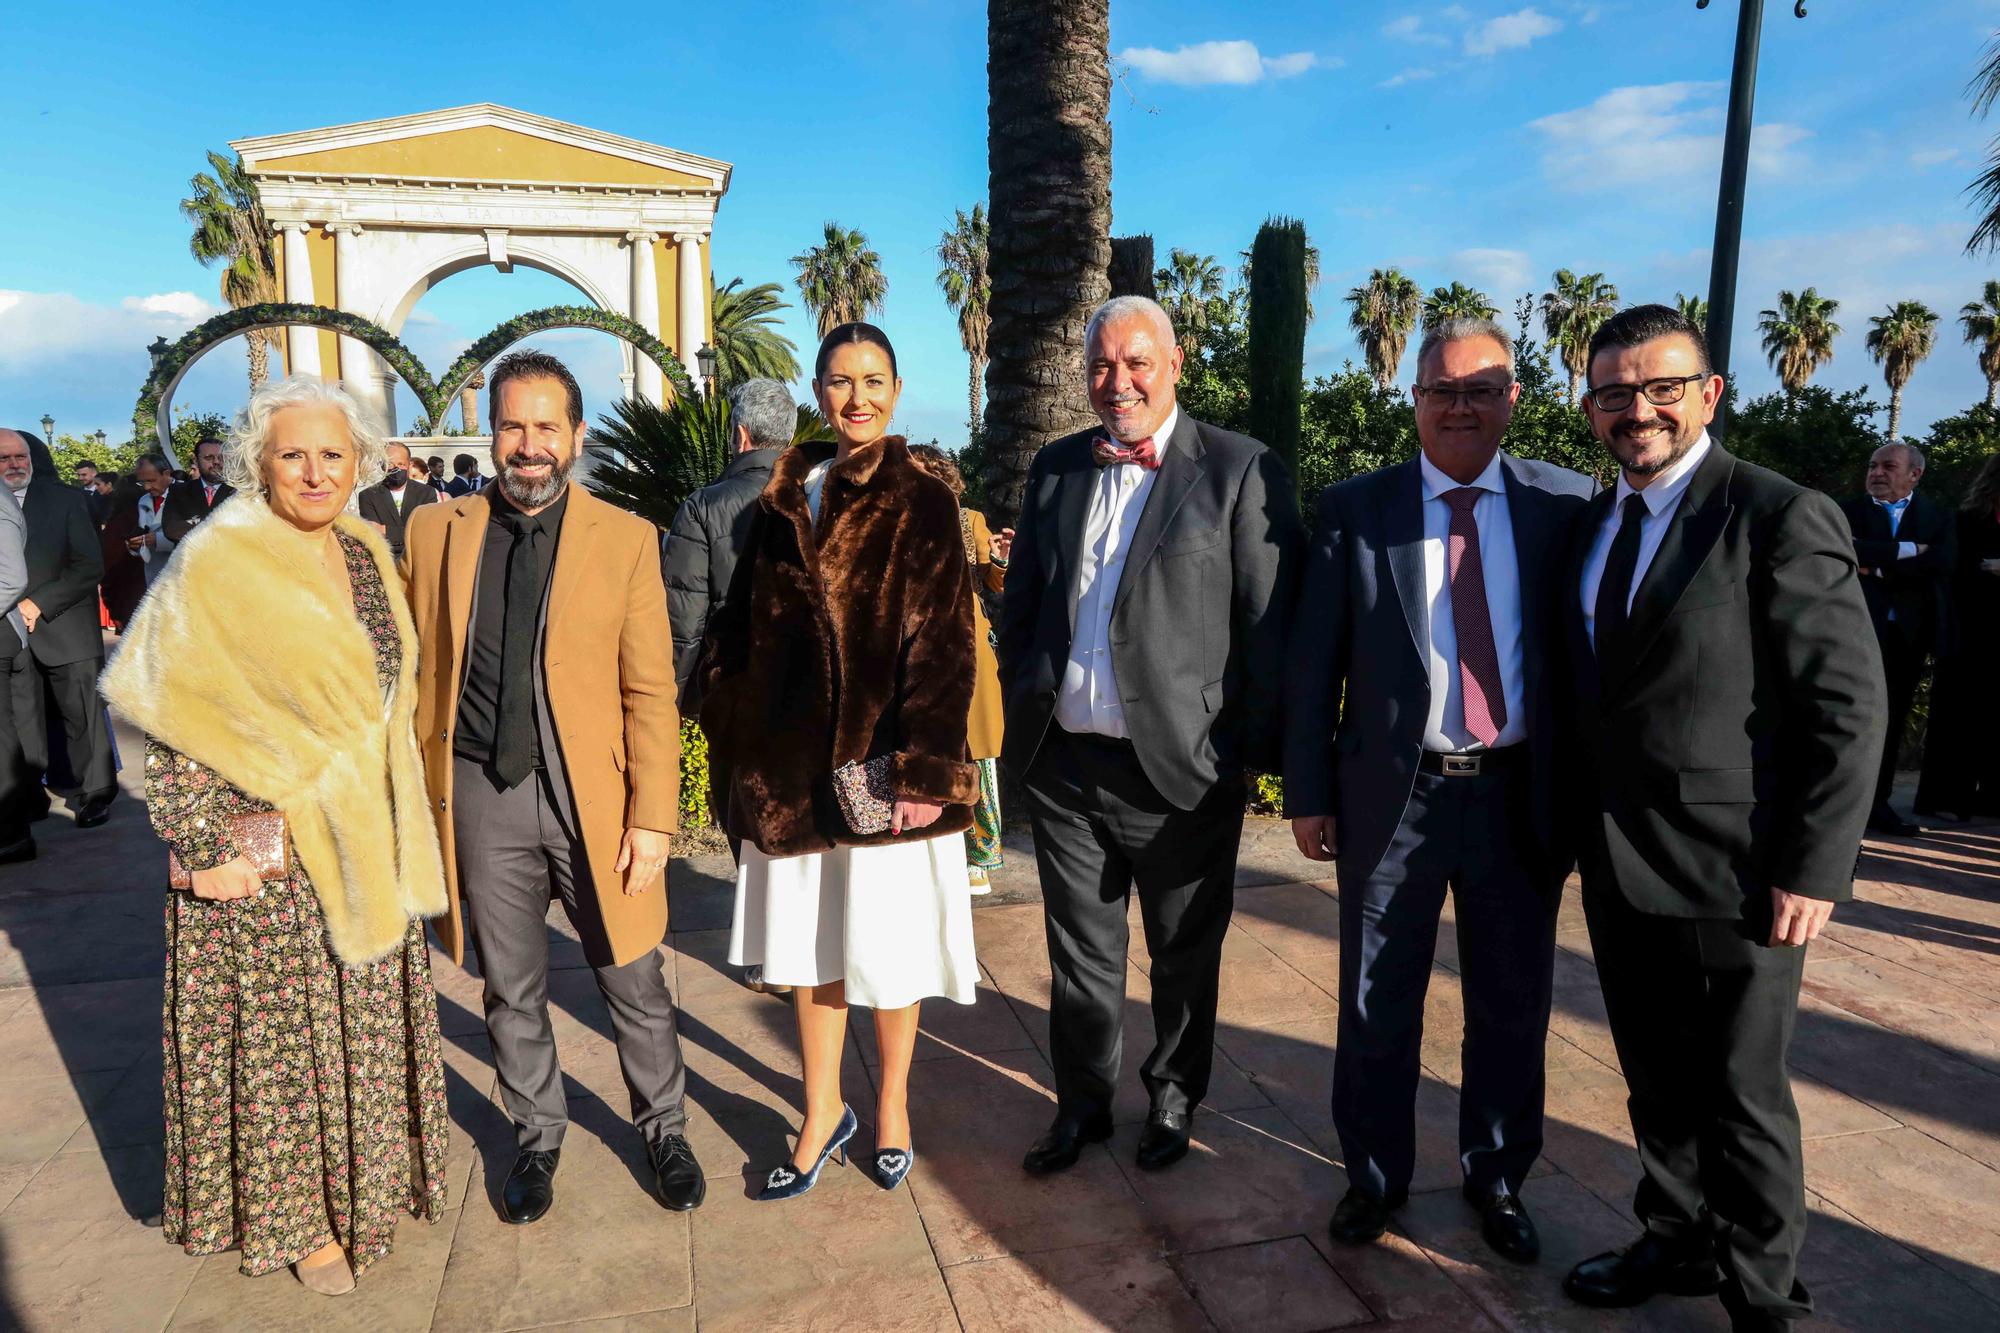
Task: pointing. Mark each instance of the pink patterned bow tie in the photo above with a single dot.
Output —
(1106, 452)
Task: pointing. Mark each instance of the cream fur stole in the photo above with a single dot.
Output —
(243, 658)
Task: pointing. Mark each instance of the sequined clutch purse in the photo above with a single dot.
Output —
(261, 836)
(865, 798)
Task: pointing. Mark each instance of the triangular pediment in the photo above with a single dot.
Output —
(480, 143)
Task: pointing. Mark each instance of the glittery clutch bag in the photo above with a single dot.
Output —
(863, 792)
(261, 836)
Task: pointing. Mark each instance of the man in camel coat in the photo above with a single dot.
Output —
(552, 749)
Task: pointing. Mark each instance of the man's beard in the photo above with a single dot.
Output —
(1679, 442)
(528, 493)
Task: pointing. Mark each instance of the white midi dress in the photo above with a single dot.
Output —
(893, 920)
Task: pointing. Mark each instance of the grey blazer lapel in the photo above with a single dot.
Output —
(1403, 535)
(1181, 466)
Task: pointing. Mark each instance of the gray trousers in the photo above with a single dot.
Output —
(515, 852)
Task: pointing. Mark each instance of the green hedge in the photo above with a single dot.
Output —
(694, 776)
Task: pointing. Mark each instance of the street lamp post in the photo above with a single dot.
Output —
(99, 437)
(49, 430)
(1728, 247)
(706, 359)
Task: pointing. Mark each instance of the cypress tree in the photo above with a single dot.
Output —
(1277, 343)
(1131, 270)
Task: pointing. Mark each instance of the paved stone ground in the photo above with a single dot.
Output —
(1897, 1064)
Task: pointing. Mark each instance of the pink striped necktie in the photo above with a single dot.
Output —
(1478, 658)
(1108, 453)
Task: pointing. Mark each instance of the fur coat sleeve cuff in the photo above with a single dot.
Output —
(927, 778)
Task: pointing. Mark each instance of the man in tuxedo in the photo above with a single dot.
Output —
(86, 475)
(1727, 699)
(1141, 648)
(191, 501)
(65, 647)
(1906, 547)
(466, 479)
(1440, 772)
(389, 503)
(552, 750)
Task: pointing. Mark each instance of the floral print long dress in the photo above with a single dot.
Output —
(304, 1098)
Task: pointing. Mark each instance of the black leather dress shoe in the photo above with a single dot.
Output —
(1649, 1266)
(531, 1187)
(1360, 1217)
(93, 814)
(1164, 1141)
(1059, 1149)
(1505, 1223)
(15, 852)
(1892, 824)
(681, 1184)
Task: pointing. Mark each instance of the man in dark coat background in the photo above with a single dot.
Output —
(389, 503)
(191, 501)
(1906, 547)
(1728, 704)
(1141, 653)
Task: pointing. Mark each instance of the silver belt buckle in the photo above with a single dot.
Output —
(1461, 765)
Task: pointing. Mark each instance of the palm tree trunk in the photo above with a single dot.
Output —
(1048, 147)
(972, 394)
(260, 359)
(1896, 415)
(1575, 387)
(1993, 393)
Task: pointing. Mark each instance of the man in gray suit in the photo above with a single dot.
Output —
(1420, 754)
(16, 843)
(1141, 646)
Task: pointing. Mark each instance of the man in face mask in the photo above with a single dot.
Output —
(389, 503)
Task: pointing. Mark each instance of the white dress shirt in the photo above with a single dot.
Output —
(151, 510)
(1904, 550)
(1661, 499)
(1444, 730)
(1088, 699)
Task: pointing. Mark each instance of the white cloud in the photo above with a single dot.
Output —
(1934, 157)
(1501, 274)
(174, 305)
(1407, 76)
(1410, 28)
(1509, 32)
(1651, 135)
(1234, 62)
(44, 328)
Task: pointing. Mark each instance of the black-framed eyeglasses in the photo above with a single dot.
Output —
(1660, 393)
(1449, 395)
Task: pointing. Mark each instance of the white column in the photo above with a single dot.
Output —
(358, 362)
(691, 330)
(650, 383)
(301, 343)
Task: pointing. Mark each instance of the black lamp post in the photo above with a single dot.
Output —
(706, 359)
(1728, 247)
(48, 430)
(99, 437)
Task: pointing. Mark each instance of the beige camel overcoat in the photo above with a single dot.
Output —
(607, 660)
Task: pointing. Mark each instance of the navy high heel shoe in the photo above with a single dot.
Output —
(892, 1164)
(787, 1182)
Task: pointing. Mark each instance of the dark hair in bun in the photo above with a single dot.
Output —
(844, 335)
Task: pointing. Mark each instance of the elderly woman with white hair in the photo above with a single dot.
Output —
(272, 668)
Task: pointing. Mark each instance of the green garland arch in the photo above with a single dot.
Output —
(560, 317)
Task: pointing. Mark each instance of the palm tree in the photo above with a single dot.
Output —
(747, 342)
(1457, 301)
(1048, 155)
(1386, 308)
(841, 278)
(1985, 188)
(1694, 309)
(1571, 315)
(229, 227)
(650, 458)
(1981, 321)
(1186, 285)
(1312, 275)
(1798, 336)
(961, 254)
(468, 402)
(1899, 340)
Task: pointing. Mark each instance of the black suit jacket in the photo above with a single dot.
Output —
(65, 565)
(378, 506)
(1917, 589)
(1362, 634)
(187, 505)
(1198, 618)
(1730, 746)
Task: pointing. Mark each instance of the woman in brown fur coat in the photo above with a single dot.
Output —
(850, 643)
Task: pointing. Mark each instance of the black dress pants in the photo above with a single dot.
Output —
(1702, 1013)
(1902, 668)
(1101, 830)
(23, 739)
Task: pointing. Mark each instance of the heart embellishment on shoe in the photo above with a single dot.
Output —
(781, 1177)
(892, 1161)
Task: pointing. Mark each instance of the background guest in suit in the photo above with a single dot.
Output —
(124, 572)
(1961, 776)
(1141, 649)
(1440, 771)
(149, 543)
(465, 479)
(86, 474)
(389, 503)
(986, 552)
(552, 751)
(439, 479)
(16, 842)
(711, 530)
(1906, 547)
(59, 611)
(189, 502)
(1728, 702)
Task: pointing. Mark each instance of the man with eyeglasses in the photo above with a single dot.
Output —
(1422, 701)
(1728, 703)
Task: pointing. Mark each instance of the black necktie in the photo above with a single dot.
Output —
(514, 736)
(1614, 592)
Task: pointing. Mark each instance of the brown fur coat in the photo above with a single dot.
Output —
(843, 644)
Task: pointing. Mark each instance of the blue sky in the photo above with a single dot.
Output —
(1490, 141)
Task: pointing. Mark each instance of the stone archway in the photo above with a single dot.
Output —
(374, 214)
